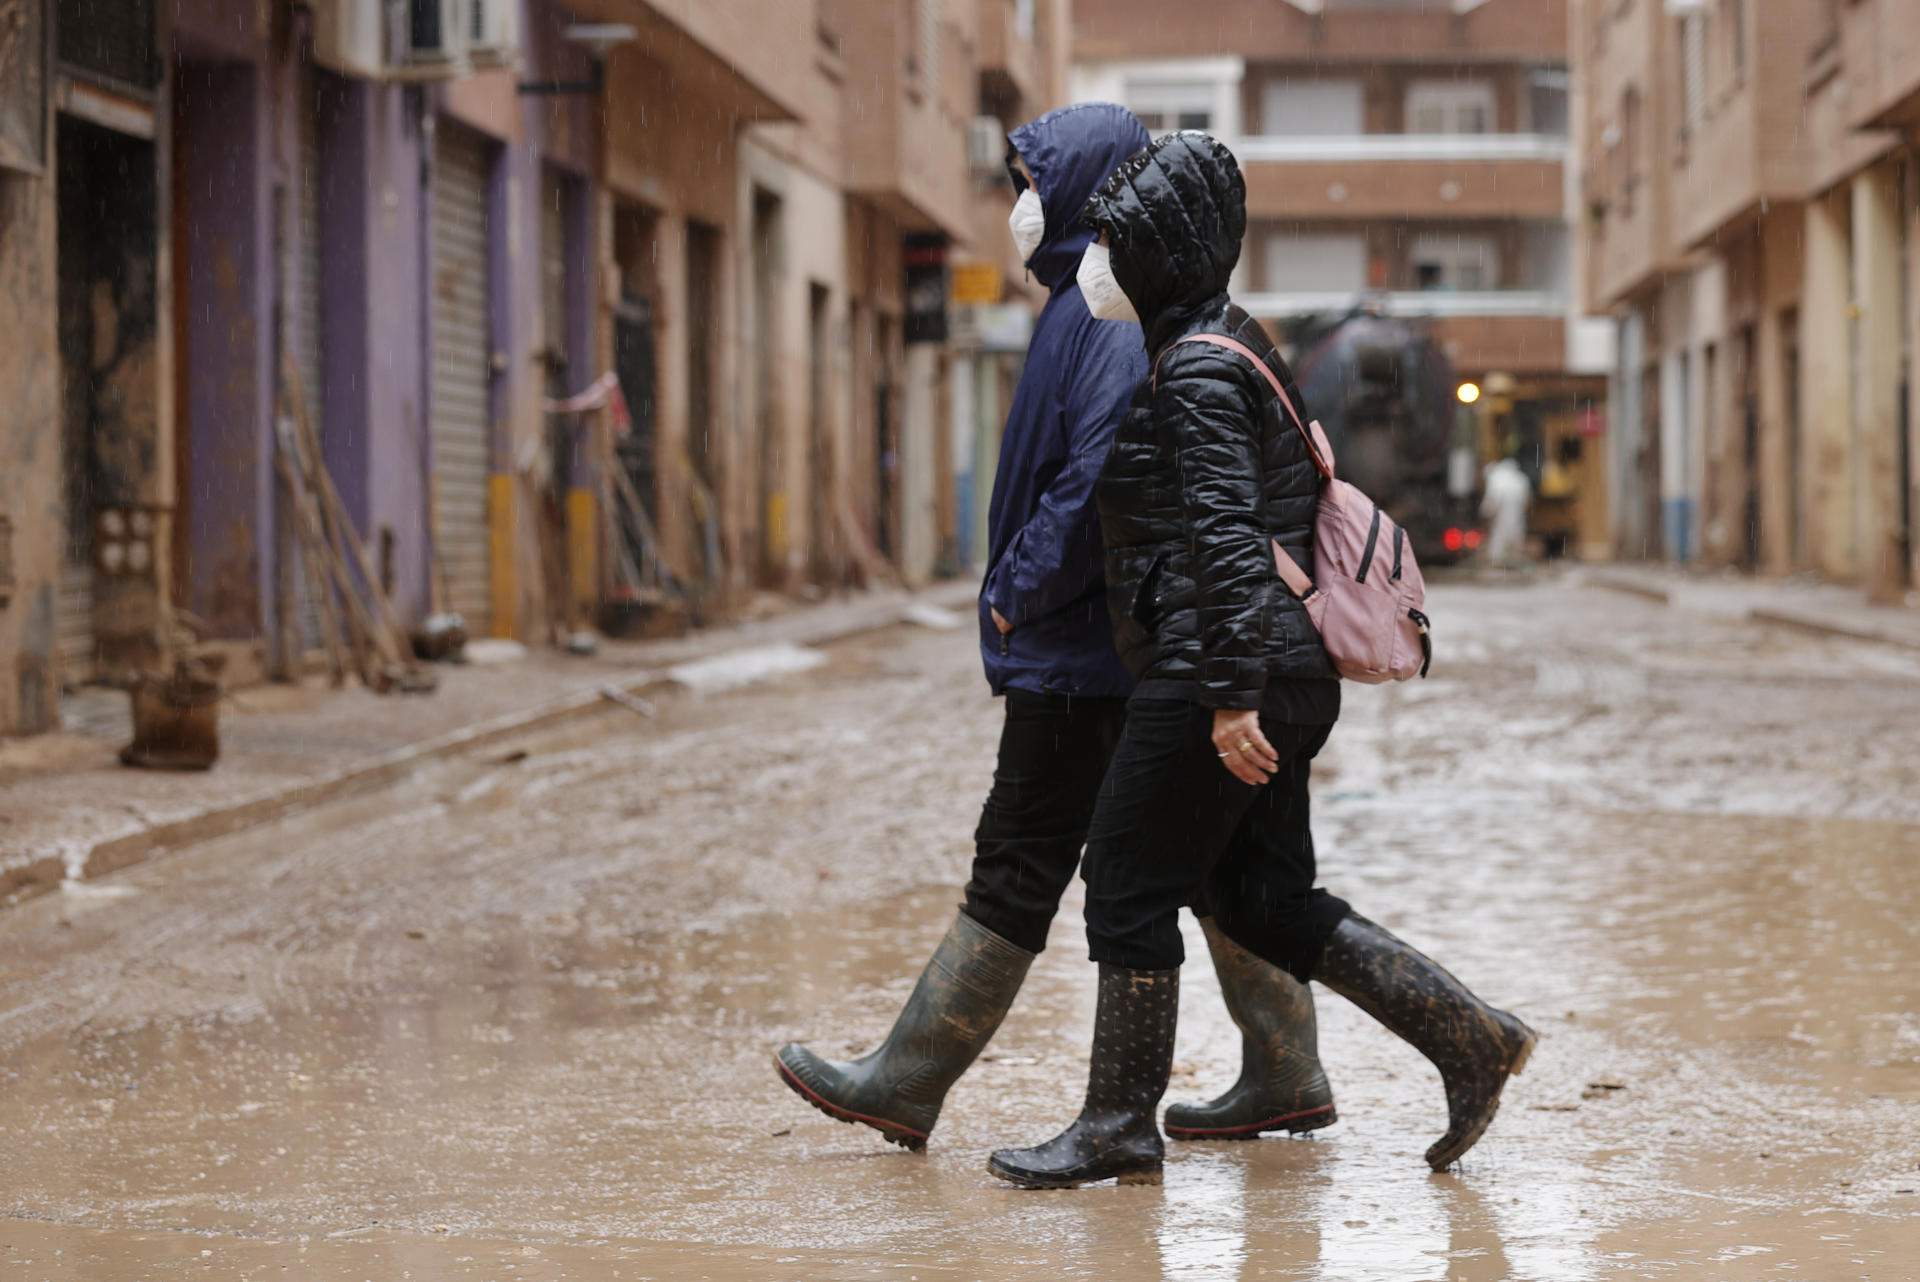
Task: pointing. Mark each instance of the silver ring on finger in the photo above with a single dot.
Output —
(1225, 756)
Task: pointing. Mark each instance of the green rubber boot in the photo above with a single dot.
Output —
(954, 1011)
(1282, 1086)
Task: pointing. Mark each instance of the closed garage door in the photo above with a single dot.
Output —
(461, 348)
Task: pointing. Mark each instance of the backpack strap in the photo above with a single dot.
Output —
(1290, 574)
(1315, 436)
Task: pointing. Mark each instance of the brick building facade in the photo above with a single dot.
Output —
(1749, 207)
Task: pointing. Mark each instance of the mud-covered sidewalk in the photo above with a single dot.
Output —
(511, 1016)
(68, 809)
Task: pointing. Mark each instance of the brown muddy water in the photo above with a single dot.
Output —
(513, 1018)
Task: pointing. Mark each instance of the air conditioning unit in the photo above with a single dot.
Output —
(439, 33)
(352, 37)
(393, 39)
(494, 40)
(987, 149)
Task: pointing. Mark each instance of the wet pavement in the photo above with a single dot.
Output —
(512, 1017)
(68, 806)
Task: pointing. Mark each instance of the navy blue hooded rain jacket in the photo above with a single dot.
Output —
(1044, 567)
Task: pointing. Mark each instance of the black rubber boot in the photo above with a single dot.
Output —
(1116, 1136)
(962, 996)
(1281, 1086)
(1475, 1047)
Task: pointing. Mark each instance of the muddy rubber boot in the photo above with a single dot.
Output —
(1475, 1047)
(962, 996)
(1281, 1086)
(1116, 1136)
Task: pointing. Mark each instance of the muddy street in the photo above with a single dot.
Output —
(512, 1017)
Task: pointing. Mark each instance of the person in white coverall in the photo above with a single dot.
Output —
(1508, 495)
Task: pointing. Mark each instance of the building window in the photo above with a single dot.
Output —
(1312, 108)
(1454, 261)
(1547, 102)
(1166, 105)
(1316, 262)
(1693, 73)
(1546, 263)
(1733, 15)
(1450, 107)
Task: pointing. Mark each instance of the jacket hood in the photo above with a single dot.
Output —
(1070, 152)
(1175, 215)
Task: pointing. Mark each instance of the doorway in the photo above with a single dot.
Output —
(636, 353)
(886, 453)
(1796, 471)
(107, 248)
(1749, 550)
(703, 344)
(768, 254)
(1647, 465)
(820, 453)
(703, 288)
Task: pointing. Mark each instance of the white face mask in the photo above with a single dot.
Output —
(1028, 223)
(1105, 299)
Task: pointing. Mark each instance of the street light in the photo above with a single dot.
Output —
(1468, 393)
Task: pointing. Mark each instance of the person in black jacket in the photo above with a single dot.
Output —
(1206, 798)
(1048, 651)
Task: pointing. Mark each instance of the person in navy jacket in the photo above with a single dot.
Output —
(1046, 641)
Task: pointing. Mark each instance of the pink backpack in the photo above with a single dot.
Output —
(1367, 604)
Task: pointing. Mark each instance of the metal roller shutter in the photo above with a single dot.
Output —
(462, 343)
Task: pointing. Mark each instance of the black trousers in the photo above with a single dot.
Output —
(1173, 828)
(1053, 754)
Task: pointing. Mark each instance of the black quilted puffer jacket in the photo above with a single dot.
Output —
(1206, 471)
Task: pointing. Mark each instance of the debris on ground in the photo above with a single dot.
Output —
(745, 667)
(490, 650)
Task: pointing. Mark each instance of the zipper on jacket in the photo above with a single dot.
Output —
(1399, 540)
(1006, 644)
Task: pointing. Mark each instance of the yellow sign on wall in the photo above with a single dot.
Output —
(975, 283)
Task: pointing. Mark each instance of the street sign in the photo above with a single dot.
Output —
(976, 283)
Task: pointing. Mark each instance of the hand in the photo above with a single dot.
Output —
(999, 621)
(1243, 750)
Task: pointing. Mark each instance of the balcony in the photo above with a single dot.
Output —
(738, 55)
(1441, 176)
(902, 152)
(1362, 148)
(1880, 59)
(1495, 31)
(1010, 62)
